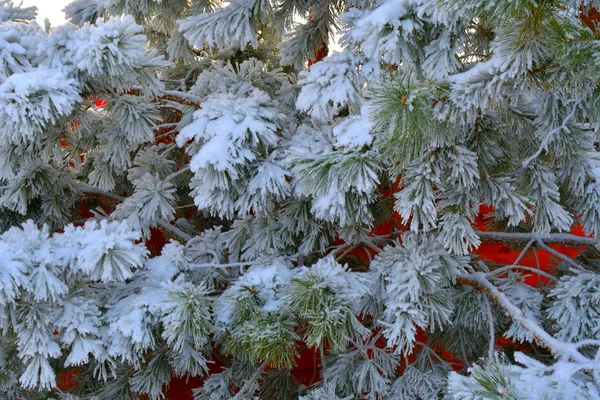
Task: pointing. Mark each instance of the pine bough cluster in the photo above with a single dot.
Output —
(267, 176)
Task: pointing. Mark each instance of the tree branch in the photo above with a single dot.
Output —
(480, 282)
(95, 192)
(519, 237)
(173, 230)
(183, 98)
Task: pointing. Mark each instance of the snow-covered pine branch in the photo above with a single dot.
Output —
(182, 194)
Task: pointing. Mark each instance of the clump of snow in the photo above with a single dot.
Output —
(111, 48)
(266, 279)
(12, 274)
(228, 127)
(356, 131)
(18, 42)
(106, 251)
(31, 100)
(329, 86)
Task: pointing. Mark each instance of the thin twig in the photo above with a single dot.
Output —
(242, 394)
(372, 247)
(218, 265)
(174, 230)
(185, 206)
(167, 125)
(177, 173)
(536, 271)
(492, 332)
(177, 233)
(550, 135)
(89, 189)
(538, 265)
(558, 254)
(350, 247)
(184, 96)
(524, 251)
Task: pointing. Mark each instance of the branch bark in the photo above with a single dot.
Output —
(552, 238)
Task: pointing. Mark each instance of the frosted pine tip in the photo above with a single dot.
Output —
(403, 100)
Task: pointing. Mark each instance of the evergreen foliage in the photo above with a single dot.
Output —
(217, 126)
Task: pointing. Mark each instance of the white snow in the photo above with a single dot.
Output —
(356, 131)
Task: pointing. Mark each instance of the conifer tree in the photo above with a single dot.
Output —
(219, 127)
